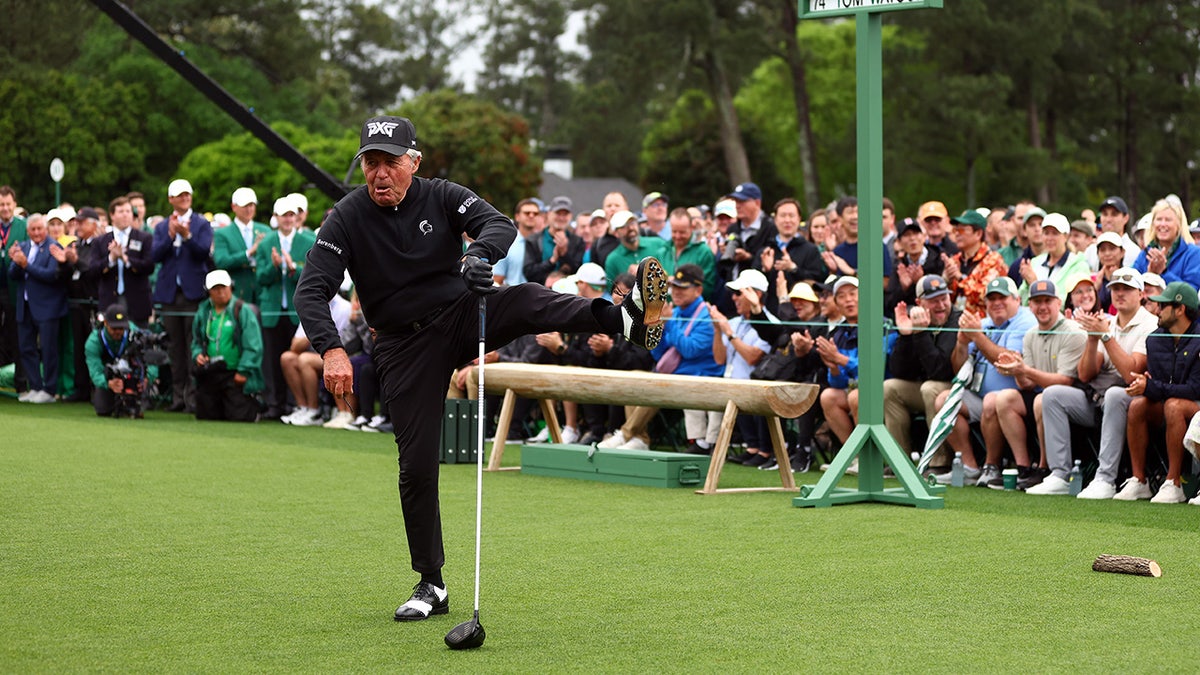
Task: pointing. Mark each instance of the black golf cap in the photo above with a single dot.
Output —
(395, 135)
(115, 317)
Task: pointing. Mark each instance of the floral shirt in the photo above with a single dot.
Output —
(984, 266)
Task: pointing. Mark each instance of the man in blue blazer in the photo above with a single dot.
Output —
(182, 243)
(123, 259)
(41, 305)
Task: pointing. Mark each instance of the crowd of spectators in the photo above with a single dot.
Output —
(1079, 332)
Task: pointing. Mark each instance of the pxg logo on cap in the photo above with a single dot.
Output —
(393, 135)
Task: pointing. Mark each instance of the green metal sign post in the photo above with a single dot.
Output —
(870, 442)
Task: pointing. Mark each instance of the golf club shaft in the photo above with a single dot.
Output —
(479, 449)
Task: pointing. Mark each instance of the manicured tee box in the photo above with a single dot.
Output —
(614, 465)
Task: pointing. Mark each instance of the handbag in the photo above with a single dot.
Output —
(778, 366)
(669, 361)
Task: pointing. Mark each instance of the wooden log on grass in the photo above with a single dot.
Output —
(622, 387)
(1127, 564)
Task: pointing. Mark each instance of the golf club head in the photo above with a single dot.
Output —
(466, 635)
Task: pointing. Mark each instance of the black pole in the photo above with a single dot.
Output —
(142, 32)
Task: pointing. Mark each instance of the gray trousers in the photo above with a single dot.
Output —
(1061, 405)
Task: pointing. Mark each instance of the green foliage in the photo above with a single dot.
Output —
(682, 156)
(51, 114)
(475, 143)
(218, 168)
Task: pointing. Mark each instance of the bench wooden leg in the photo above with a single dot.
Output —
(720, 450)
(502, 425)
(781, 456)
(551, 418)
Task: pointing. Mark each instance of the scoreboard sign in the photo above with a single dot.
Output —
(816, 9)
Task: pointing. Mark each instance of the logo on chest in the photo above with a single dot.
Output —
(425, 227)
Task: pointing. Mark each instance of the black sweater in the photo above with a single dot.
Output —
(404, 260)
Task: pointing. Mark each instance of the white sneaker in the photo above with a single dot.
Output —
(40, 397)
(1097, 489)
(542, 436)
(614, 441)
(570, 435)
(291, 417)
(24, 396)
(340, 420)
(1169, 493)
(1195, 501)
(1050, 485)
(359, 422)
(1133, 490)
(634, 444)
(307, 418)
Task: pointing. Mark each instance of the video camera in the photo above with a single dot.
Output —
(142, 349)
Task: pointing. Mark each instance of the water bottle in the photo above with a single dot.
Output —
(1076, 479)
(956, 471)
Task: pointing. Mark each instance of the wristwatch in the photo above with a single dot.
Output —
(1105, 338)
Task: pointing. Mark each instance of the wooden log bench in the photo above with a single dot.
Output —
(547, 384)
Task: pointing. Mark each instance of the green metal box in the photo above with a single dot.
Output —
(614, 465)
(460, 427)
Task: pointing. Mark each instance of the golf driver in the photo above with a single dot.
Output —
(470, 634)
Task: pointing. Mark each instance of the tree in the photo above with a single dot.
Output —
(387, 55)
(218, 168)
(50, 114)
(682, 150)
(782, 21)
(475, 143)
(527, 71)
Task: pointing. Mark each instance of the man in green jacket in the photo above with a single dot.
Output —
(12, 230)
(633, 248)
(234, 246)
(684, 250)
(226, 354)
(280, 261)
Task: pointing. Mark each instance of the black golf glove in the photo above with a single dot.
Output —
(477, 273)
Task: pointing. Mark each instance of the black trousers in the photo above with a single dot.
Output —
(277, 339)
(177, 319)
(80, 316)
(104, 401)
(414, 368)
(218, 397)
(10, 349)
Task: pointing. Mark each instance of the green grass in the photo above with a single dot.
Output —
(170, 545)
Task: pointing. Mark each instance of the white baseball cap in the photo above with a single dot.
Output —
(1058, 221)
(843, 282)
(621, 219)
(592, 275)
(566, 286)
(217, 278)
(1127, 276)
(749, 279)
(243, 196)
(284, 205)
(725, 207)
(299, 200)
(1152, 279)
(178, 187)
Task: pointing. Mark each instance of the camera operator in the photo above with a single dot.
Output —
(227, 354)
(116, 369)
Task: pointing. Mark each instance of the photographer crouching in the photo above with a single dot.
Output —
(227, 354)
(121, 360)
